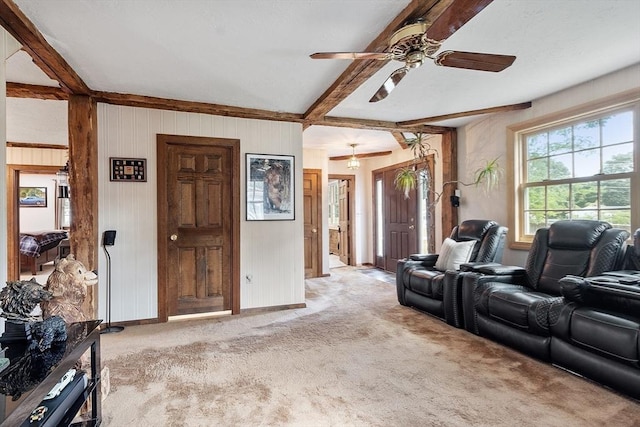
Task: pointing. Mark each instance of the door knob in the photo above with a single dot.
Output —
(174, 237)
(411, 227)
(314, 230)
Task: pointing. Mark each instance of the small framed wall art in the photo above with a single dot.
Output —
(33, 197)
(128, 169)
(270, 193)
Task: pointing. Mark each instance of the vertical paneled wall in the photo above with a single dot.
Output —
(271, 251)
(37, 156)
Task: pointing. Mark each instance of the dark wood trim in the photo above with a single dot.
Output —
(13, 224)
(83, 180)
(501, 109)
(449, 173)
(162, 143)
(261, 310)
(13, 213)
(352, 213)
(360, 71)
(378, 125)
(43, 55)
(36, 145)
(362, 156)
(402, 141)
(24, 90)
(193, 107)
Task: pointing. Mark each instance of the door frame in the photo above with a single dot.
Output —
(430, 164)
(162, 142)
(352, 213)
(318, 214)
(13, 212)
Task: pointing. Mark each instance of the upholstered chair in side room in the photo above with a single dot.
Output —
(420, 278)
(511, 304)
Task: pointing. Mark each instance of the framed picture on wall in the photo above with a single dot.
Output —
(270, 184)
(33, 197)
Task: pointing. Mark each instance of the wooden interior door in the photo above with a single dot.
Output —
(344, 197)
(312, 223)
(198, 224)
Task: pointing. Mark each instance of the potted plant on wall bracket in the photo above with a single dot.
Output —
(407, 178)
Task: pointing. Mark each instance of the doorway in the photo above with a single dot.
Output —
(312, 193)
(13, 211)
(402, 225)
(198, 225)
(341, 218)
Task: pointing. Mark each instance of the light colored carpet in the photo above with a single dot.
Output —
(353, 357)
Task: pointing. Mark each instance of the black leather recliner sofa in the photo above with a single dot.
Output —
(596, 329)
(420, 283)
(512, 305)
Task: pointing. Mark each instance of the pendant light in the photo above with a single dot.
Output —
(353, 162)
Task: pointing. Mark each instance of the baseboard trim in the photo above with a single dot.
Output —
(258, 310)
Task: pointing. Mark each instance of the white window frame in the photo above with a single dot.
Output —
(518, 238)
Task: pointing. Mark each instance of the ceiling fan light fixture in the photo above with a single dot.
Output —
(353, 162)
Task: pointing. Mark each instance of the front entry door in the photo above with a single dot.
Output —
(200, 219)
(400, 223)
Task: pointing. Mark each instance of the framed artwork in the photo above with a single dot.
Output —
(33, 197)
(128, 170)
(270, 187)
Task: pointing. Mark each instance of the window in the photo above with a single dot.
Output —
(334, 207)
(579, 167)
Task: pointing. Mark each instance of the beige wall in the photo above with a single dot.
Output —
(487, 138)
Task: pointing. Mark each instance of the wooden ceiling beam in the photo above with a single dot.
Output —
(379, 125)
(193, 107)
(501, 109)
(23, 90)
(42, 53)
(359, 71)
(400, 138)
(362, 156)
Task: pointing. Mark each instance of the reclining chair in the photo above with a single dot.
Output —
(597, 332)
(512, 304)
(420, 279)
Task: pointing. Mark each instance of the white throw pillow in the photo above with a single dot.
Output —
(453, 253)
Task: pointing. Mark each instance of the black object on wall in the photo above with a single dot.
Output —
(109, 239)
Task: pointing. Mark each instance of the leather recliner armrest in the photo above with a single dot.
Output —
(501, 270)
(427, 260)
(474, 266)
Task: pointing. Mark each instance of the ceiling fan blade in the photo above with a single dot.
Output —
(474, 61)
(454, 17)
(390, 84)
(350, 55)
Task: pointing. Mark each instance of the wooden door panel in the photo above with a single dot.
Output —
(201, 271)
(312, 225)
(212, 215)
(400, 231)
(185, 206)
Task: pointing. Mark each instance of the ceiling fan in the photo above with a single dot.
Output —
(411, 45)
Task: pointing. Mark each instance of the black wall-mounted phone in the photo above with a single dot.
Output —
(109, 238)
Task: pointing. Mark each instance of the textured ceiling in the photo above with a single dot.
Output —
(255, 54)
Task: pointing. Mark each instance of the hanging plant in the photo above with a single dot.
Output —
(406, 178)
(489, 175)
